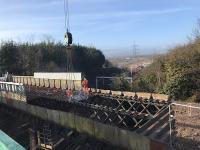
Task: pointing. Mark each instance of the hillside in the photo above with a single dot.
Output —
(177, 73)
(132, 62)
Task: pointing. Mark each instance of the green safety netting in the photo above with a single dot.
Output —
(7, 143)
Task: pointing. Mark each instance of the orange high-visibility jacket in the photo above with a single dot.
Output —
(69, 92)
(85, 83)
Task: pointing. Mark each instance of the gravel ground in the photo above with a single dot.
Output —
(186, 125)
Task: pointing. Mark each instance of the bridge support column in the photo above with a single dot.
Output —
(33, 139)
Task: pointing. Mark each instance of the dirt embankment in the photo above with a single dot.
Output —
(186, 126)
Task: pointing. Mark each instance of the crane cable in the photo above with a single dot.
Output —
(66, 11)
(67, 29)
(70, 67)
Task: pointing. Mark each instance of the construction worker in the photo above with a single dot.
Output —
(85, 85)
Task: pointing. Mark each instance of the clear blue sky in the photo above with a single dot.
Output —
(110, 25)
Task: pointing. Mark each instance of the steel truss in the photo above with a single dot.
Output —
(124, 112)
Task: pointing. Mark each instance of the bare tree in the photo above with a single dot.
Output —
(196, 32)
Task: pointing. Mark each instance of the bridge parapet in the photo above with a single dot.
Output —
(160, 97)
(51, 83)
(63, 84)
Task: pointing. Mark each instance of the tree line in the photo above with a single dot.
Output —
(27, 58)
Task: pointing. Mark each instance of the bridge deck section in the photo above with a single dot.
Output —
(114, 135)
